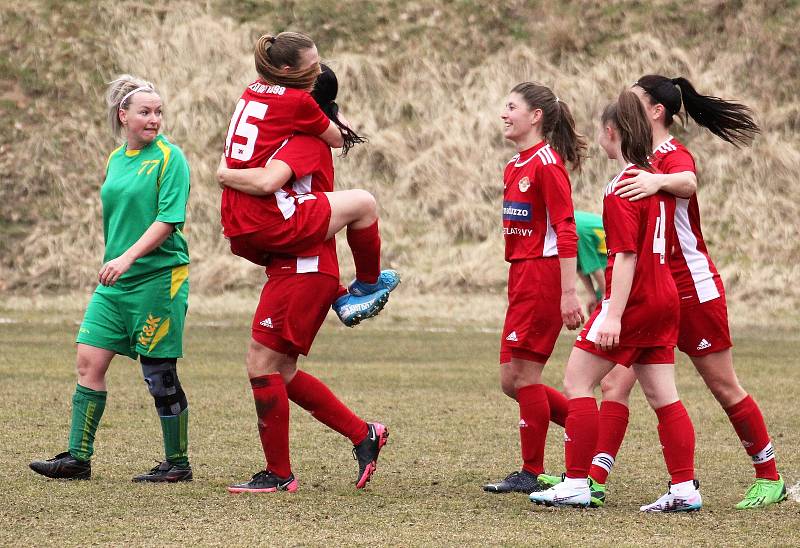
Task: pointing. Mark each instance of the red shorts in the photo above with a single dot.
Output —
(291, 311)
(629, 355)
(533, 318)
(704, 328)
(301, 235)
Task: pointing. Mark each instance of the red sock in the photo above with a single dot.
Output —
(613, 424)
(365, 244)
(580, 436)
(534, 417)
(676, 432)
(749, 424)
(558, 405)
(272, 408)
(314, 396)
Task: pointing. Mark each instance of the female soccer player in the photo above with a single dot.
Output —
(636, 325)
(293, 305)
(592, 256)
(138, 309)
(539, 228)
(704, 334)
(271, 110)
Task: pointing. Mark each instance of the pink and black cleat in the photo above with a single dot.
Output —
(366, 452)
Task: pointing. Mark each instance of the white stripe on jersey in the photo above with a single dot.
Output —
(666, 146)
(307, 264)
(610, 187)
(514, 159)
(285, 203)
(546, 155)
(696, 262)
(591, 336)
(302, 185)
(550, 238)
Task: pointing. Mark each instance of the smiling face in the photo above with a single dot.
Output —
(519, 120)
(142, 119)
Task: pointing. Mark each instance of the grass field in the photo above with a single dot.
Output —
(451, 430)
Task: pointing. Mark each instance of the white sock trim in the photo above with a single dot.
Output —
(604, 461)
(765, 455)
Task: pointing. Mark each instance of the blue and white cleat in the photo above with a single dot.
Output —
(353, 309)
(681, 497)
(388, 280)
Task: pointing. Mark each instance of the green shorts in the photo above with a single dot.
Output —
(144, 316)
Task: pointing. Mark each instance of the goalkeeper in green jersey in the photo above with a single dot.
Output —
(138, 309)
(592, 256)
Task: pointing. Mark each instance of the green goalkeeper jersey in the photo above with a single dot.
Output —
(141, 187)
(592, 253)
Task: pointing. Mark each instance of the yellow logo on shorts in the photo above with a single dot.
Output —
(152, 333)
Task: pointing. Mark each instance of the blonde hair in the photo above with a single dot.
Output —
(119, 94)
(274, 52)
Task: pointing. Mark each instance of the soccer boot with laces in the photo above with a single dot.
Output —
(63, 466)
(570, 492)
(353, 309)
(166, 472)
(265, 482)
(683, 497)
(763, 493)
(516, 482)
(366, 453)
(388, 280)
(597, 490)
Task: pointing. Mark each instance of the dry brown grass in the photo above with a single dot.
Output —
(425, 81)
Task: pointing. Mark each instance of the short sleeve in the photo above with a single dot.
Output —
(677, 161)
(173, 187)
(556, 192)
(621, 220)
(301, 154)
(310, 119)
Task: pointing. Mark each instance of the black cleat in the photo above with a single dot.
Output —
(63, 466)
(366, 452)
(516, 482)
(166, 472)
(265, 482)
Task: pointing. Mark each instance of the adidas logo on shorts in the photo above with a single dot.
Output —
(703, 345)
(266, 323)
(512, 336)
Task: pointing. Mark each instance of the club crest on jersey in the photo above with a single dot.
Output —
(517, 211)
(524, 184)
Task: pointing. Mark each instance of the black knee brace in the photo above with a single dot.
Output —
(161, 376)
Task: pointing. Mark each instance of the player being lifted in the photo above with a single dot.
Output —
(272, 109)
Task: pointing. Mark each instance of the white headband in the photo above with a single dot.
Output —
(142, 88)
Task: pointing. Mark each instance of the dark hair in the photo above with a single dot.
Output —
(629, 117)
(274, 52)
(731, 122)
(325, 90)
(558, 126)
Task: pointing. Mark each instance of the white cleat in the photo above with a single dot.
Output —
(570, 492)
(682, 497)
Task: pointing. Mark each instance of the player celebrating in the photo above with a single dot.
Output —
(704, 334)
(636, 325)
(271, 110)
(539, 229)
(293, 305)
(591, 256)
(139, 307)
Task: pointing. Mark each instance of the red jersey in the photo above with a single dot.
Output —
(537, 195)
(265, 117)
(646, 228)
(312, 163)
(695, 274)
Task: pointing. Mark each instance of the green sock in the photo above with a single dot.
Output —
(87, 409)
(176, 437)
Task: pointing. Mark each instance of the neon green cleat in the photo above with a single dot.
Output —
(763, 493)
(598, 491)
(547, 481)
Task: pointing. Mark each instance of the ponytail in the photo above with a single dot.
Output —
(558, 125)
(118, 97)
(272, 53)
(630, 119)
(325, 90)
(731, 122)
